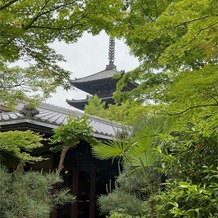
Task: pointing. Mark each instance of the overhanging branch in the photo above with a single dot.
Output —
(8, 4)
(196, 106)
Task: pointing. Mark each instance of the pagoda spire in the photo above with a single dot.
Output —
(111, 54)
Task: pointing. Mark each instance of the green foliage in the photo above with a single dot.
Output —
(68, 136)
(76, 129)
(190, 152)
(176, 42)
(172, 34)
(94, 106)
(139, 177)
(128, 204)
(185, 199)
(191, 190)
(20, 143)
(46, 21)
(127, 112)
(110, 149)
(145, 137)
(33, 192)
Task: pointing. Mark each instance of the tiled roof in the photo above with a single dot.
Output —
(52, 116)
(80, 103)
(105, 74)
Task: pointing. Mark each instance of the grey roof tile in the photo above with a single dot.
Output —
(52, 116)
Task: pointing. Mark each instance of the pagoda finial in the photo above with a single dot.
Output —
(111, 54)
(111, 50)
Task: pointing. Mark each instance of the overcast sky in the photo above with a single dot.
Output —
(88, 56)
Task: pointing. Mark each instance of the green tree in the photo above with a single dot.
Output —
(174, 35)
(20, 143)
(28, 188)
(95, 106)
(128, 112)
(33, 192)
(176, 42)
(68, 136)
(28, 28)
(139, 179)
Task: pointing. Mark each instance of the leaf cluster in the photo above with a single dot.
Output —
(33, 194)
(76, 129)
(139, 177)
(20, 144)
(28, 28)
(189, 160)
(127, 112)
(176, 42)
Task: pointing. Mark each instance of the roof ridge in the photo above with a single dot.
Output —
(107, 122)
(95, 74)
(45, 105)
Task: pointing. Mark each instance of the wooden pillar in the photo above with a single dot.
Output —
(92, 194)
(75, 187)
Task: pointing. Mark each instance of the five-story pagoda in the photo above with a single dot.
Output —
(102, 84)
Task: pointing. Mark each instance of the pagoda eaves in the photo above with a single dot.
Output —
(102, 84)
(81, 103)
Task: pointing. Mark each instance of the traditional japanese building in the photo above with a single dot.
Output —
(102, 84)
(85, 175)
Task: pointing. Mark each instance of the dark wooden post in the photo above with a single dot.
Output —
(92, 194)
(75, 187)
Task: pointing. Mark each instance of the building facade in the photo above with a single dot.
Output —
(85, 175)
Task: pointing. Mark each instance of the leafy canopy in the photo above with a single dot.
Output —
(76, 129)
(69, 136)
(127, 112)
(176, 42)
(28, 27)
(20, 144)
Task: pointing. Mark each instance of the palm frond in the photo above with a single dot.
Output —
(111, 149)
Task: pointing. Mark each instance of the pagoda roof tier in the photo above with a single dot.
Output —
(80, 103)
(101, 83)
(105, 76)
(109, 72)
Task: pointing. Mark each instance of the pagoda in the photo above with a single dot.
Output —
(102, 84)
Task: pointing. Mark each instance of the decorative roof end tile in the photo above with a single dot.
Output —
(29, 112)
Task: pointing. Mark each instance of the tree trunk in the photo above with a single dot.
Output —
(20, 168)
(62, 157)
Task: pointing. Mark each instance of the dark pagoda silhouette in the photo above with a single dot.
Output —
(101, 84)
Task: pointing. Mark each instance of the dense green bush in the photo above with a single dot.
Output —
(30, 195)
(190, 163)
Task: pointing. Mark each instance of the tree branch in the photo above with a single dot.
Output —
(36, 17)
(8, 4)
(196, 106)
(190, 21)
(40, 13)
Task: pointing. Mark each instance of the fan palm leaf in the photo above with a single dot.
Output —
(111, 149)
